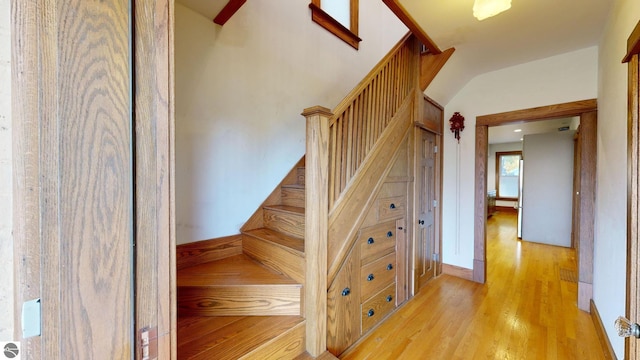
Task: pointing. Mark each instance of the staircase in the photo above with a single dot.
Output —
(249, 305)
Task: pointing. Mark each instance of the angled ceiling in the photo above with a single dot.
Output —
(530, 30)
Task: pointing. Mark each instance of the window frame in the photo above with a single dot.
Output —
(499, 155)
(348, 35)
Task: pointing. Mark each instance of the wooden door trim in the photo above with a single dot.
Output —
(633, 187)
(576, 108)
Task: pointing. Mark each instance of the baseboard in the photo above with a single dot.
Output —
(602, 334)
(457, 271)
(199, 252)
(506, 209)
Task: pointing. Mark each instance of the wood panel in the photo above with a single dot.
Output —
(199, 252)
(343, 306)
(457, 271)
(79, 212)
(432, 116)
(322, 18)
(574, 108)
(480, 213)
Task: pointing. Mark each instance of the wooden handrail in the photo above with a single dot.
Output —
(412, 24)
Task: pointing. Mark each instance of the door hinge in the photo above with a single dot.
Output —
(435, 203)
(31, 318)
(435, 149)
(148, 343)
(436, 257)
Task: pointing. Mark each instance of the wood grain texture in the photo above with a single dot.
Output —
(25, 112)
(277, 251)
(431, 115)
(316, 227)
(524, 311)
(457, 271)
(231, 338)
(200, 252)
(324, 356)
(228, 11)
(574, 108)
(408, 20)
(480, 213)
(377, 307)
(288, 220)
(343, 309)
(293, 195)
(154, 166)
(430, 66)
(633, 44)
(382, 272)
(348, 35)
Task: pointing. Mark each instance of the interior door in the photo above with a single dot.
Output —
(92, 184)
(426, 205)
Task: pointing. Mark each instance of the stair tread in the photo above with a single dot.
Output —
(286, 208)
(224, 337)
(237, 270)
(293, 186)
(278, 238)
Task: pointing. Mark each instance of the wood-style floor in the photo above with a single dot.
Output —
(526, 310)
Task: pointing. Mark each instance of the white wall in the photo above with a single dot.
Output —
(491, 167)
(240, 90)
(547, 188)
(6, 209)
(610, 240)
(563, 78)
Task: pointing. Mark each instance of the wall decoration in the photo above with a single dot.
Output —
(456, 124)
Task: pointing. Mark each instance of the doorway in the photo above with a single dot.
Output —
(587, 111)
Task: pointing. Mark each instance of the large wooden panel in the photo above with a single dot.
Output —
(343, 305)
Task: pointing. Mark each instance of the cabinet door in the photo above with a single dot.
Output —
(343, 305)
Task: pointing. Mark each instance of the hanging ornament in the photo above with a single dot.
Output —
(456, 124)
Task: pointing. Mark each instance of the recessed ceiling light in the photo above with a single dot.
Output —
(521, 139)
(517, 130)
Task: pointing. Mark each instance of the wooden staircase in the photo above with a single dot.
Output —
(249, 305)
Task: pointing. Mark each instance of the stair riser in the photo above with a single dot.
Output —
(288, 223)
(300, 176)
(285, 261)
(239, 301)
(293, 197)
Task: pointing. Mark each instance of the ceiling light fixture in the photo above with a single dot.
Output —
(517, 130)
(483, 9)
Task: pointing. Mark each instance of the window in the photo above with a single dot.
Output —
(507, 174)
(340, 17)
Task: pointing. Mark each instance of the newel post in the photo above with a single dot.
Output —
(316, 228)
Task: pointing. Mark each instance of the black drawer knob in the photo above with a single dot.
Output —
(392, 206)
(390, 267)
(370, 313)
(389, 298)
(346, 291)
(370, 241)
(370, 277)
(389, 234)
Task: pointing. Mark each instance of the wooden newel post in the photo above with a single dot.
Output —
(315, 234)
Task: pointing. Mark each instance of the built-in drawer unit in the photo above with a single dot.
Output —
(392, 207)
(377, 275)
(377, 241)
(378, 306)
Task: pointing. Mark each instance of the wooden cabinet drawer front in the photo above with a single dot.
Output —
(377, 241)
(377, 275)
(377, 307)
(392, 207)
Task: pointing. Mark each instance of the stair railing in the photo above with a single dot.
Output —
(338, 144)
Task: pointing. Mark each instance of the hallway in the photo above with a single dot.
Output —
(526, 310)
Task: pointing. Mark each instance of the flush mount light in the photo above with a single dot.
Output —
(517, 130)
(483, 9)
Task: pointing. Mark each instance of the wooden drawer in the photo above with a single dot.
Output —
(377, 275)
(392, 207)
(377, 307)
(377, 241)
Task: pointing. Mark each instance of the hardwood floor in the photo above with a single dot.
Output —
(524, 311)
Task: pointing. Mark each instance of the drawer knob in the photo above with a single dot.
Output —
(389, 298)
(370, 241)
(389, 234)
(390, 267)
(370, 277)
(392, 206)
(370, 313)
(346, 291)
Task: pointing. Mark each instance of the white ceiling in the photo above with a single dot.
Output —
(507, 133)
(530, 30)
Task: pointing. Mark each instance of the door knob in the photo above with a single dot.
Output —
(626, 328)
